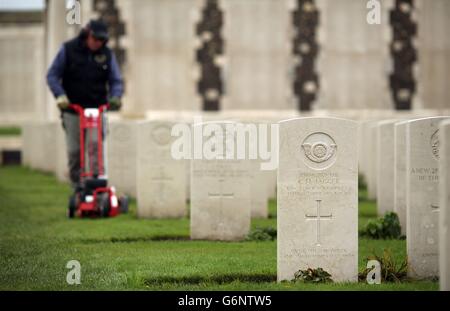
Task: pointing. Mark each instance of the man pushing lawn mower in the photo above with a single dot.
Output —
(85, 80)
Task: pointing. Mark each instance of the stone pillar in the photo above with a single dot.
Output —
(21, 73)
(433, 54)
(353, 59)
(56, 32)
(258, 55)
(87, 11)
(404, 54)
(305, 49)
(160, 64)
(209, 54)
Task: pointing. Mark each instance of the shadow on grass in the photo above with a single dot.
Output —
(215, 279)
(138, 239)
(160, 238)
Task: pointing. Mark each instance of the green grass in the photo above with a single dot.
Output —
(10, 131)
(126, 253)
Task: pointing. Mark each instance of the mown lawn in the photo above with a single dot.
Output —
(10, 131)
(126, 253)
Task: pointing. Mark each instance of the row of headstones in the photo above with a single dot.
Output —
(43, 148)
(140, 165)
(317, 187)
(406, 165)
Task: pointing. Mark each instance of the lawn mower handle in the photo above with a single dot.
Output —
(79, 109)
(87, 122)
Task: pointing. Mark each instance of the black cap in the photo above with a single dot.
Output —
(99, 29)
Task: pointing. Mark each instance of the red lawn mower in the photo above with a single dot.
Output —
(94, 198)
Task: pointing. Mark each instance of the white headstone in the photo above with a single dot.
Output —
(363, 152)
(422, 199)
(372, 160)
(220, 193)
(400, 173)
(259, 179)
(161, 180)
(318, 197)
(121, 162)
(444, 181)
(385, 167)
(43, 156)
(259, 192)
(272, 183)
(187, 178)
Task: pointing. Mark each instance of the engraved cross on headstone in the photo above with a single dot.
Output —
(317, 218)
(226, 141)
(221, 194)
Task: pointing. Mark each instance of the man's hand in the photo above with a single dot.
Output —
(115, 103)
(62, 101)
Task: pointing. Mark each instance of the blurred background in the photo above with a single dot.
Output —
(249, 55)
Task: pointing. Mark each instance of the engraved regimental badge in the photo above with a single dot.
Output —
(434, 141)
(319, 150)
(161, 134)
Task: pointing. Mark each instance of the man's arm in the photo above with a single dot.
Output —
(115, 79)
(55, 73)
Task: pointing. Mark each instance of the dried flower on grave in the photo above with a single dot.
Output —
(391, 271)
(310, 275)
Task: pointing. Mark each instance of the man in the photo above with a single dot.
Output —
(84, 72)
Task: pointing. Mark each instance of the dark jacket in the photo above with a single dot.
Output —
(87, 78)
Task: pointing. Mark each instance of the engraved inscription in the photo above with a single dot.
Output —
(220, 195)
(425, 174)
(318, 253)
(318, 184)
